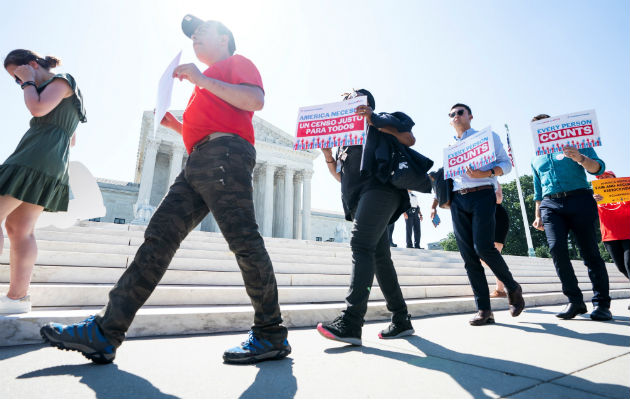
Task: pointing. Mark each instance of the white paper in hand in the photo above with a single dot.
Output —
(165, 90)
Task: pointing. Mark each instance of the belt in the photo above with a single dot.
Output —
(567, 194)
(474, 189)
(210, 137)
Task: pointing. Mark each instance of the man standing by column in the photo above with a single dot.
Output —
(413, 216)
(472, 209)
(390, 233)
(218, 134)
(565, 201)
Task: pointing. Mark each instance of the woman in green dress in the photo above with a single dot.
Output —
(35, 177)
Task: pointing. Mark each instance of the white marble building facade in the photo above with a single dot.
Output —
(282, 184)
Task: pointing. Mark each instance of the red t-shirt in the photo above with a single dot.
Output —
(614, 221)
(206, 113)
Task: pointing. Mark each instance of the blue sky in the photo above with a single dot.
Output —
(507, 60)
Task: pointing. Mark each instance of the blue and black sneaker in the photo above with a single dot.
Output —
(256, 349)
(85, 337)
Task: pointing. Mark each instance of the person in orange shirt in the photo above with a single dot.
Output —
(614, 222)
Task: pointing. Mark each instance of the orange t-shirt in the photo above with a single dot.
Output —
(206, 113)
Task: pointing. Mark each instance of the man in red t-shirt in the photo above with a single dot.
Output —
(614, 221)
(218, 133)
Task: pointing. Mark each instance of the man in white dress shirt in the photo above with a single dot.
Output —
(472, 209)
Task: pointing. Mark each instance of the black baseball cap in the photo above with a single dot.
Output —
(190, 23)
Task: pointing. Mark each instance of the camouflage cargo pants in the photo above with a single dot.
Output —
(217, 178)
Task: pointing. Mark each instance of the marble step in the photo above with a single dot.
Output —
(340, 254)
(21, 329)
(80, 295)
(224, 254)
(113, 255)
(276, 254)
(81, 260)
(137, 231)
(86, 275)
(122, 246)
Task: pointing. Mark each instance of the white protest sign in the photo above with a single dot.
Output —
(330, 125)
(579, 130)
(86, 200)
(475, 151)
(165, 90)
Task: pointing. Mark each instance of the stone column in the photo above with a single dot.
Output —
(267, 229)
(257, 175)
(177, 156)
(297, 205)
(278, 204)
(209, 224)
(143, 209)
(306, 209)
(287, 212)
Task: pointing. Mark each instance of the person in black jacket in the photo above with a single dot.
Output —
(371, 204)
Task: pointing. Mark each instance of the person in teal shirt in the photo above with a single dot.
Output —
(553, 175)
(564, 201)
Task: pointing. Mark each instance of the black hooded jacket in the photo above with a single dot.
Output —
(369, 167)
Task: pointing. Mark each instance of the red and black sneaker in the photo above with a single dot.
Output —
(341, 330)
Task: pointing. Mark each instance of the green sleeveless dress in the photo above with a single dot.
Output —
(37, 171)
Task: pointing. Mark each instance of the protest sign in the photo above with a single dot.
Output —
(612, 190)
(86, 200)
(579, 130)
(474, 152)
(330, 125)
(165, 89)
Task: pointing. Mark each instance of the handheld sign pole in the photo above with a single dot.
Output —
(528, 236)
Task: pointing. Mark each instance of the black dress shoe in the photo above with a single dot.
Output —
(571, 310)
(601, 314)
(516, 301)
(482, 317)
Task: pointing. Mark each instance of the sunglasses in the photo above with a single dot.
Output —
(459, 112)
(18, 81)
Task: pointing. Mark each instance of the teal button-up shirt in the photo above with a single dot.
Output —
(553, 176)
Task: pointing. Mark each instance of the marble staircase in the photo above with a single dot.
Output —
(203, 292)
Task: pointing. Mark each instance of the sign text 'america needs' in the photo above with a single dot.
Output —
(330, 125)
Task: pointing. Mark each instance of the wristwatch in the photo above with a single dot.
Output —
(492, 173)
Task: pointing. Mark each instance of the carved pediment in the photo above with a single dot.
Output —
(268, 133)
(271, 141)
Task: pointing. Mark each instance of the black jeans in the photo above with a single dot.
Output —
(217, 178)
(619, 250)
(413, 225)
(371, 256)
(579, 214)
(473, 223)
